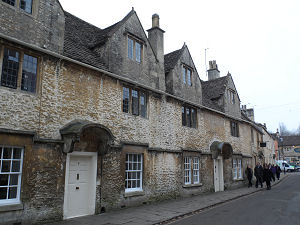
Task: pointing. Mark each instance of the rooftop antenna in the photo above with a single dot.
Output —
(205, 62)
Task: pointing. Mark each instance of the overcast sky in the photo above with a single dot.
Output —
(257, 41)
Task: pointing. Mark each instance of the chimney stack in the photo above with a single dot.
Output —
(156, 39)
(213, 72)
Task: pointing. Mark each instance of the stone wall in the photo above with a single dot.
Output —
(43, 28)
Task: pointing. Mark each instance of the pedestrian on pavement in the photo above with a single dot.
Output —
(273, 170)
(278, 171)
(249, 174)
(258, 173)
(267, 174)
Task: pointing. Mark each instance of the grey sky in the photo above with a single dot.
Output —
(257, 41)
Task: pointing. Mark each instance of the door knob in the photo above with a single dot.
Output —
(77, 188)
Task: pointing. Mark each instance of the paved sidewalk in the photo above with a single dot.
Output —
(162, 212)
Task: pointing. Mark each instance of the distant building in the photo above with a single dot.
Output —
(291, 148)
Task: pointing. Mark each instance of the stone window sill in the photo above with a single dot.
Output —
(192, 185)
(240, 179)
(11, 207)
(134, 194)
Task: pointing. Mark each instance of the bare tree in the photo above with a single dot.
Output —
(283, 130)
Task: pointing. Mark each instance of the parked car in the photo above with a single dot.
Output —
(284, 165)
(297, 167)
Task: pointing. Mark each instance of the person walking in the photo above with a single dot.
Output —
(278, 171)
(267, 175)
(249, 174)
(273, 170)
(258, 173)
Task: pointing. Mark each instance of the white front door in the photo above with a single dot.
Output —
(80, 190)
(218, 174)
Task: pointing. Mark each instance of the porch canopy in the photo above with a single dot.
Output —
(221, 149)
(80, 129)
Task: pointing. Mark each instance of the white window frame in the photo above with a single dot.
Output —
(131, 170)
(191, 167)
(234, 169)
(196, 172)
(239, 167)
(17, 199)
(187, 170)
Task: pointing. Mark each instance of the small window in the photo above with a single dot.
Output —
(134, 50)
(237, 169)
(143, 104)
(15, 73)
(231, 96)
(133, 172)
(134, 102)
(186, 75)
(191, 170)
(26, 5)
(29, 72)
(183, 75)
(10, 174)
(234, 129)
(234, 168)
(252, 136)
(130, 48)
(10, 68)
(125, 99)
(196, 176)
(189, 116)
(138, 49)
(10, 2)
(187, 170)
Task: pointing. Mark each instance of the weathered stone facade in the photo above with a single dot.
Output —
(78, 108)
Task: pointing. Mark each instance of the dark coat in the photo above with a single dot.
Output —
(258, 171)
(267, 174)
(249, 173)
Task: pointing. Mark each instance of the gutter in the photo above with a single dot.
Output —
(113, 75)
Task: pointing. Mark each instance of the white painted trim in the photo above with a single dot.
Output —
(93, 181)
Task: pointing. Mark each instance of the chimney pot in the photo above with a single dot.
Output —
(213, 72)
(155, 20)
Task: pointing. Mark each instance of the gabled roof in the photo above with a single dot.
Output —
(78, 37)
(81, 38)
(291, 140)
(171, 59)
(214, 89)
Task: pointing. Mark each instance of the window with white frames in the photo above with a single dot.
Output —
(237, 169)
(234, 168)
(187, 170)
(191, 170)
(11, 159)
(133, 172)
(196, 176)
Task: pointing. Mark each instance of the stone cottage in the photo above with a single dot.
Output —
(96, 119)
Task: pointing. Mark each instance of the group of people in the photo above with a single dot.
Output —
(265, 173)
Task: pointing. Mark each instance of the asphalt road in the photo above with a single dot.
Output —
(278, 206)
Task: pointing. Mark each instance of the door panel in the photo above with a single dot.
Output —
(79, 185)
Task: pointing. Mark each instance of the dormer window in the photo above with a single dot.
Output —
(134, 49)
(231, 96)
(187, 75)
(25, 5)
